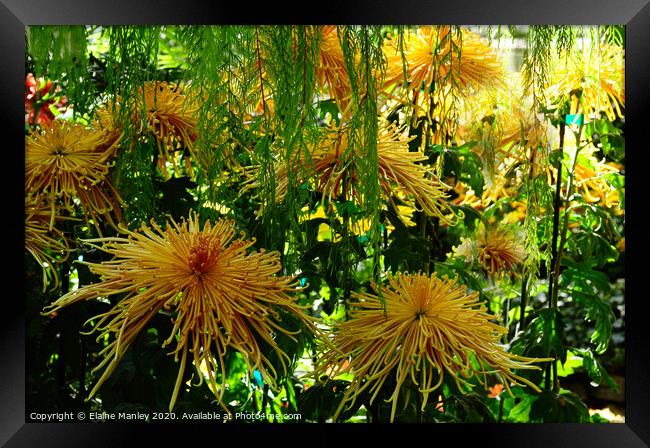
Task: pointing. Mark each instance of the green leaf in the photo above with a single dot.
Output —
(520, 412)
(607, 137)
(406, 252)
(568, 368)
(586, 287)
(348, 209)
(463, 164)
(597, 372)
(565, 407)
(471, 216)
(543, 337)
(596, 418)
(320, 401)
(472, 408)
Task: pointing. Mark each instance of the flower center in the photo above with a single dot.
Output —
(421, 303)
(203, 255)
(59, 151)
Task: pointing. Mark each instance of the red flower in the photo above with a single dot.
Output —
(39, 100)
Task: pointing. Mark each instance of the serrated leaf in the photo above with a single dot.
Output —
(586, 287)
(543, 337)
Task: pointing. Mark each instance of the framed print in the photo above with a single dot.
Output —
(380, 217)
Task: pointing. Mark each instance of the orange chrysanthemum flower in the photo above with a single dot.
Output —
(67, 161)
(496, 249)
(46, 244)
(170, 116)
(430, 55)
(427, 327)
(223, 298)
(105, 121)
(331, 72)
(168, 112)
(332, 164)
(593, 79)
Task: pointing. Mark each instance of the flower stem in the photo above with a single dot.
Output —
(552, 285)
(556, 218)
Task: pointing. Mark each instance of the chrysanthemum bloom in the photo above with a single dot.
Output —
(496, 249)
(504, 127)
(105, 120)
(222, 298)
(494, 189)
(593, 79)
(169, 113)
(42, 241)
(590, 180)
(429, 60)
(335, 168)
(67, 161)
(331, 72)
(430, 327)
(438, 68)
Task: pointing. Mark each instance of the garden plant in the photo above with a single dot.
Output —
(326, 223)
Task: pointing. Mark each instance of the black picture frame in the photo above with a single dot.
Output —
(16, 14)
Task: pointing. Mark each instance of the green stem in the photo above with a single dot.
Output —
(552, 368)
(558, 249)
(565, 223)
(563, 238)
(556, 217)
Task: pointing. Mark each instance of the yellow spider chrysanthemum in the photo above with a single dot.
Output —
(166, 110)
(42, 241)
(332, 165)
(331, 72)
(504, 128)
(222, 297)
(68, 161)
(590, 181)
(105, 121)
(169, 114)
(496, 249)
(430, 327)
(440, 66)
(497, 188)
(592, 79)
(429, 60)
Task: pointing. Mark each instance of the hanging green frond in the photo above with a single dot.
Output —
(61, 53)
